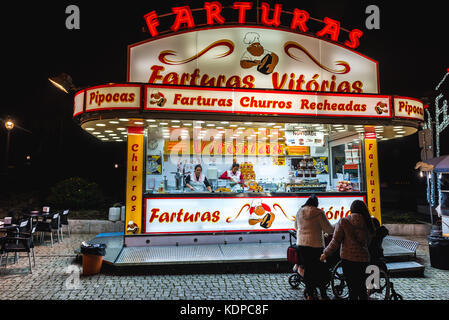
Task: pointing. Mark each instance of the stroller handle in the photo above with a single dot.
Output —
(292, 233)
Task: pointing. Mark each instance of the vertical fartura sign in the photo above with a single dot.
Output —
(372, 174)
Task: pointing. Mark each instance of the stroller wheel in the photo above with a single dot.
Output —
(396, 296)
(295, 280)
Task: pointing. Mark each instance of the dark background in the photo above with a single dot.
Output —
(409, 48)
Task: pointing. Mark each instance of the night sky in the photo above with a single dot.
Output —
(409, 47)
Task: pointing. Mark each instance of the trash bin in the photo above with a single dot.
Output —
(114, 214)
(439, 252)
(92, 257)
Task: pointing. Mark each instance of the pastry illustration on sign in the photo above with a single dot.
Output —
(260, 213)
(263, 214)
(132, 227)
(381, 108)
(256, 55)
(158, 99)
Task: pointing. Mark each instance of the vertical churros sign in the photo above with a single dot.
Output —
(134, 180)
(372, 173)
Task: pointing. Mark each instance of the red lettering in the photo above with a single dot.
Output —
(206, 217)
(152, 22)
(332, 28)
(183, 16)
(242, 7)
(304, 104)
(188, 217)
(300, 17)
(216, 216)
(276, 20)
(154, 214)
(155, 74)
(354, 37)
(164, 217)
(213, 11)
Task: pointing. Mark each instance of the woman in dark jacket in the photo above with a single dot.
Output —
(354, 234)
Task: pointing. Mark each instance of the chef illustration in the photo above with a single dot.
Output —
(260, 213)
(158, 99)
(132, 227)
(256, 55)
(381, 108)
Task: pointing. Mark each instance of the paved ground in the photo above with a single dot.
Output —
(55, 277)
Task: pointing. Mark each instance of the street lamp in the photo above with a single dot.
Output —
(9, 125)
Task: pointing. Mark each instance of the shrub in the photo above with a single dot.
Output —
(76, 193)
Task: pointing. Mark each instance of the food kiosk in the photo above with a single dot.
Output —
(299, 111)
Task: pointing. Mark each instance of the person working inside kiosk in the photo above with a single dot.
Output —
(234, 174)
(196, 181)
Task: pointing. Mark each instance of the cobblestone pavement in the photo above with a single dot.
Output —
(52, 278)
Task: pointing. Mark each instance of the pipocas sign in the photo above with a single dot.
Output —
(252, 56)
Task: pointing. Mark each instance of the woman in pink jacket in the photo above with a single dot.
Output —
(310, 224)
(353, 235)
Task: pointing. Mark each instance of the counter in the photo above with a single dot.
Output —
(236, 212)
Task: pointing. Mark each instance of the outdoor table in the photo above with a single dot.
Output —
(6, 227)
(35, 214)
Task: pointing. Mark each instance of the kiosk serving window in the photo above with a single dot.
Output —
(191, 156)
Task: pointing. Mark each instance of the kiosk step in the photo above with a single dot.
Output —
(405, 267)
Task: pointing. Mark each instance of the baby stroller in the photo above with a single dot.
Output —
(293, 256)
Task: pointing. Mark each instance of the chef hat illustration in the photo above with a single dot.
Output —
(251, 37)
(131, 226)
(258, 203)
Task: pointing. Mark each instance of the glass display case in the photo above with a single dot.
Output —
(271, 157)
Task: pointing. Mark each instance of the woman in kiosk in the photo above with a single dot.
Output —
(197, 182)
(234, 174)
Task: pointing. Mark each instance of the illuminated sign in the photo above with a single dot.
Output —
(301, 138)
(408, 108)
(134, 181)
(122, 96)
(214, 16)
(183, 215)
(78, 103)
(251, 57)
(266, 102)
(372, 173)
